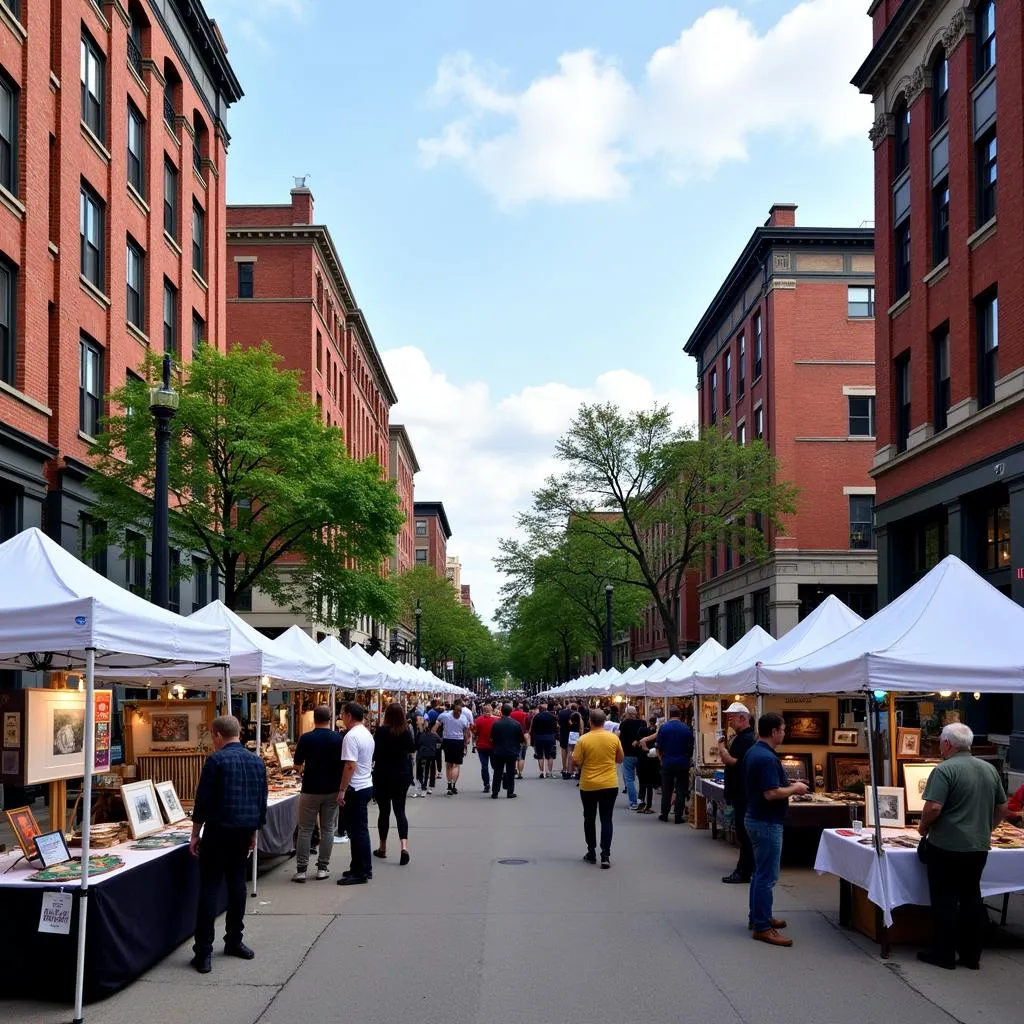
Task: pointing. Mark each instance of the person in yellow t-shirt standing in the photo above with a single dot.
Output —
(595, 756)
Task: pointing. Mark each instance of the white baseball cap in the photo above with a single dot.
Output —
(736, 708)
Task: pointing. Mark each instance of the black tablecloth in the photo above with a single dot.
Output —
(277, 837)
(135, 919)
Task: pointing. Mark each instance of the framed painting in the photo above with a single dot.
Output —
(799, 768)
(25, 828)
(12, 728)
(142, 808)
(168, 728)
(846, 737)
(55, 735)
(284, 755)
(915, 778)
(806, 727)
(891, 808)
(848, 773)
(908, 742)
(173, 811)
(709, 752)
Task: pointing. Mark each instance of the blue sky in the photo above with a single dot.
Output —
(535, 201)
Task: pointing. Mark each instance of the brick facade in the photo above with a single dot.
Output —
(431, 536)
(402, 468)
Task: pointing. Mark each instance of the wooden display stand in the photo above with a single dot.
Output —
(911, 924)
(698, 816)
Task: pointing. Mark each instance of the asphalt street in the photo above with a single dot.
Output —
(497, 919)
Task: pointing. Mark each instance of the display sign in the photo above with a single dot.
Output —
(52, 848)
(55, 916)
(102, 702)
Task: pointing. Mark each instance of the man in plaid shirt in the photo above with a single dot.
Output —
(230, 806)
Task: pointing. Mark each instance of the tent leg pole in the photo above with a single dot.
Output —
(893, 774)
(259, 753)
(873, 765)
(227, 689)
(90, 757)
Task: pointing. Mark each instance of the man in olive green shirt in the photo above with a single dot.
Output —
(964, 800)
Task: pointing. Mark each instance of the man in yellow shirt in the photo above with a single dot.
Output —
(595, 757)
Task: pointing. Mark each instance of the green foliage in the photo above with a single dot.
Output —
(259, 483)
(546, 634)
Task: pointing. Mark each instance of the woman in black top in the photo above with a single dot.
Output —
(392, 777)
(648, 769)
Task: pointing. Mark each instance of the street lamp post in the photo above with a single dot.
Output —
(163, 404)
(418, 611)
(608, 625)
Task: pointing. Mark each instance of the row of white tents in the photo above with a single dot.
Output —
(57, 614)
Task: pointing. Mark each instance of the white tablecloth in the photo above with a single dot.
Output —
(898, 877)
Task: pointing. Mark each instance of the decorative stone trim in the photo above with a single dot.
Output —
(961, 411)
(960, 25)
(1011, 384)
(937, 273)
(917, 83)
(919, 435)
(884, 126)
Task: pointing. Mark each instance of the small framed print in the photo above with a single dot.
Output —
(807, 727)
(915, 779)
(173, 810)
(284, 755)
(12, 729)
(10, 762)
(798, 768)
(142, 808)
(710, 753)
(23, 824)
(908, 742)
(52, 848)
(891, 807)
(846, 737)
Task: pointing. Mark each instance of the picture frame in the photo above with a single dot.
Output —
(54, 735)
(12, 729)
(915, 777)
(168, 729)
(10, 762)
(142, 808)
(806, 727)
(173, 811)
(799, 768)
(908, 742)
(709, 752)
(891, 807)
(25, 828)
(52, 848)
(848, 773)
(846, 737)
(283, 754)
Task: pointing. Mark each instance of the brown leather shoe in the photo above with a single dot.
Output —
(777, 922)
(773, 938)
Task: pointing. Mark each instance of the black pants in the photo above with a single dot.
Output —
(358, 830)
(958, 915)
(503, 766)
(648, 776)
(674, 778)
(426, 771)
(388, 795)
(223, 853)
(598, 801)
(745, 864)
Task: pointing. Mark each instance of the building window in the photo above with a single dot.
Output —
(860, 301)
(93, 71)
(734, 624)
(198, 238)
(243, 600)
(135, 45)
(986, 151)
(940, 92)
(245, 280)
(862, 522)
(135, 278)
(902, 154)
(170, 198)
(421, 527)
(902, 380)
(136, 149)
(741, 434)
(90, 530)
(988, 349)
(8, 321)
(421, 556)
(997, 537)
(984, 37)
(757, 345)
(727, 392)
(741, 383)
(135, 562)
(174, 580)
(940, 365)
(200, 584)
(940, 222)
(90, 386)
(714, 396)
(762, 609)
(901, 259)
(170, 318)
(8, 135)
(862, 415)
(198, 332)
(91, 232)
(759, 423)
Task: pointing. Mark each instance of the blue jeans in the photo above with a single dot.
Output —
(766, 842)
(629, 777)
(485, 766)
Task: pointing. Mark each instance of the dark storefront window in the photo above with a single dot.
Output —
(997, 537)
(734, 624)
(713, 621)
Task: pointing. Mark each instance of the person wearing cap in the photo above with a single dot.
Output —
(738, 715)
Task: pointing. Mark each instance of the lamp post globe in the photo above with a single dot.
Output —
(163, 404)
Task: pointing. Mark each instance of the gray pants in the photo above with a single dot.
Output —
(311, 807)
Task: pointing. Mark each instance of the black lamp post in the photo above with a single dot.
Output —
(418, 612)
(163, 404)
(608, 625)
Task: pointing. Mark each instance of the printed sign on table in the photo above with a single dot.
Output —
(55, 916)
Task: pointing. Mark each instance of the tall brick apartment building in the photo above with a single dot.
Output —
(948, 138)
(113, 121)
(432, 534)
(785, 353)
(287, 286)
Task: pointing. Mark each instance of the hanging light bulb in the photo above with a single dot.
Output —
(977, 695)
(945, 693)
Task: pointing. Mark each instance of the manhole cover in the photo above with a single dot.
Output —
(514, 860)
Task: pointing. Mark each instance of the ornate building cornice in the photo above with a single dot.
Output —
(884, 126)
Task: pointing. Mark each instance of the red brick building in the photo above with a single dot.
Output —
(114, 136)
(402, 469)
(785, 353)
(949, 211)
(432, 533)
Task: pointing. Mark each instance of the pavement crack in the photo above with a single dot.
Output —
(707, 974)
(280, 988)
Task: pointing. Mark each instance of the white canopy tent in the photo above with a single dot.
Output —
(58, 614)
(365, 676)
(676, 680)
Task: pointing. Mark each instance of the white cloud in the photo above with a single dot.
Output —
(484, 454)
(574, 135)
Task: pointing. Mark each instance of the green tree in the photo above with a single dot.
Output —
(548, 633)
(259, 483)
(658, 498)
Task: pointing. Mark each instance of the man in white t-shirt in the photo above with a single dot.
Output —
(356, 792)
(455, 735)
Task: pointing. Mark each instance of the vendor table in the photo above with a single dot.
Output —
(277, 837)
(137, 915)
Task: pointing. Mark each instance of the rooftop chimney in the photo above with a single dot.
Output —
(781, 215)
(302, 202)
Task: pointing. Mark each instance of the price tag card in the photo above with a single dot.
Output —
(55, 917)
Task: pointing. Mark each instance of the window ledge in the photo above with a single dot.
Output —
(90, 289)
(87, 438)
(137, 333)
(172, 243)
(937, 273)
(94, 141)
(171, 132)
(12, 202)
(137, 77)
(20, 396)
(16, 28)
(133, 194)
(200, 280)
(54, 251)
(983, 234)
(899, 305)
(200, 179)
(99, 14)
(861, 437)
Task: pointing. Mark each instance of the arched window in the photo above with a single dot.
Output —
(902, 115)
(200, 141)
(940, 91)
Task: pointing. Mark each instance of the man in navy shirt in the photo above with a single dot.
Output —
(768, 790)
(675, 749)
